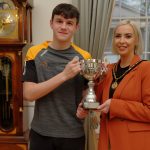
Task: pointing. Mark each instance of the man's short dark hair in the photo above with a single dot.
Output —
(67, 11)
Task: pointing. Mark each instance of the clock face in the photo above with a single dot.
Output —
(8, 20)
(6, 4)
(7, 23)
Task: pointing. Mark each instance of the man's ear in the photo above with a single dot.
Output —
(51, 23)
(78, 26)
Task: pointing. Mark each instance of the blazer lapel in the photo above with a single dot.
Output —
(107, 85)
(123, 83)
(126, 79)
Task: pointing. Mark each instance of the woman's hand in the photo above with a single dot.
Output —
(105, 106)
(81, 112)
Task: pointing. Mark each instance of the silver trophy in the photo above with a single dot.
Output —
(90, 68)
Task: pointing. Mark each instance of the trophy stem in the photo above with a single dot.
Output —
(91, 97)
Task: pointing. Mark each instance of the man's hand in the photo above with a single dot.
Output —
(72, 68)
(81, 112)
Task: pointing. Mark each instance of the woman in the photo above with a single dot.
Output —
(125, 94)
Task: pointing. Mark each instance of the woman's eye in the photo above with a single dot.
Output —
(117, 36)
(128, 36)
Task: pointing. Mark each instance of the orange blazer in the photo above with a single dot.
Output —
(128, 124)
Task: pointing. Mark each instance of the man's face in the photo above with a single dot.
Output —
(63, 29)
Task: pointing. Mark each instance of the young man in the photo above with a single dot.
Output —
(52, 79)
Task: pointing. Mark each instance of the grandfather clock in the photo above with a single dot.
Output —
(13, 37)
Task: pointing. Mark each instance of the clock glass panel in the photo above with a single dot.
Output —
(6, 109)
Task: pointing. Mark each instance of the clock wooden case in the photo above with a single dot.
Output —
(14, 31)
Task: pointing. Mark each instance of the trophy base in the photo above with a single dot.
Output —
(90, 105)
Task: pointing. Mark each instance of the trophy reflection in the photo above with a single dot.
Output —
(90, 68)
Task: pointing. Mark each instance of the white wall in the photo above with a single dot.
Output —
(41, 15)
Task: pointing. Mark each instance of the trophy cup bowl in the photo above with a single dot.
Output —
(89, 68)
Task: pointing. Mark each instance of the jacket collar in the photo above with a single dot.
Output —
(135, 59)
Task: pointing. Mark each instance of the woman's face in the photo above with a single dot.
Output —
(125, 40)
